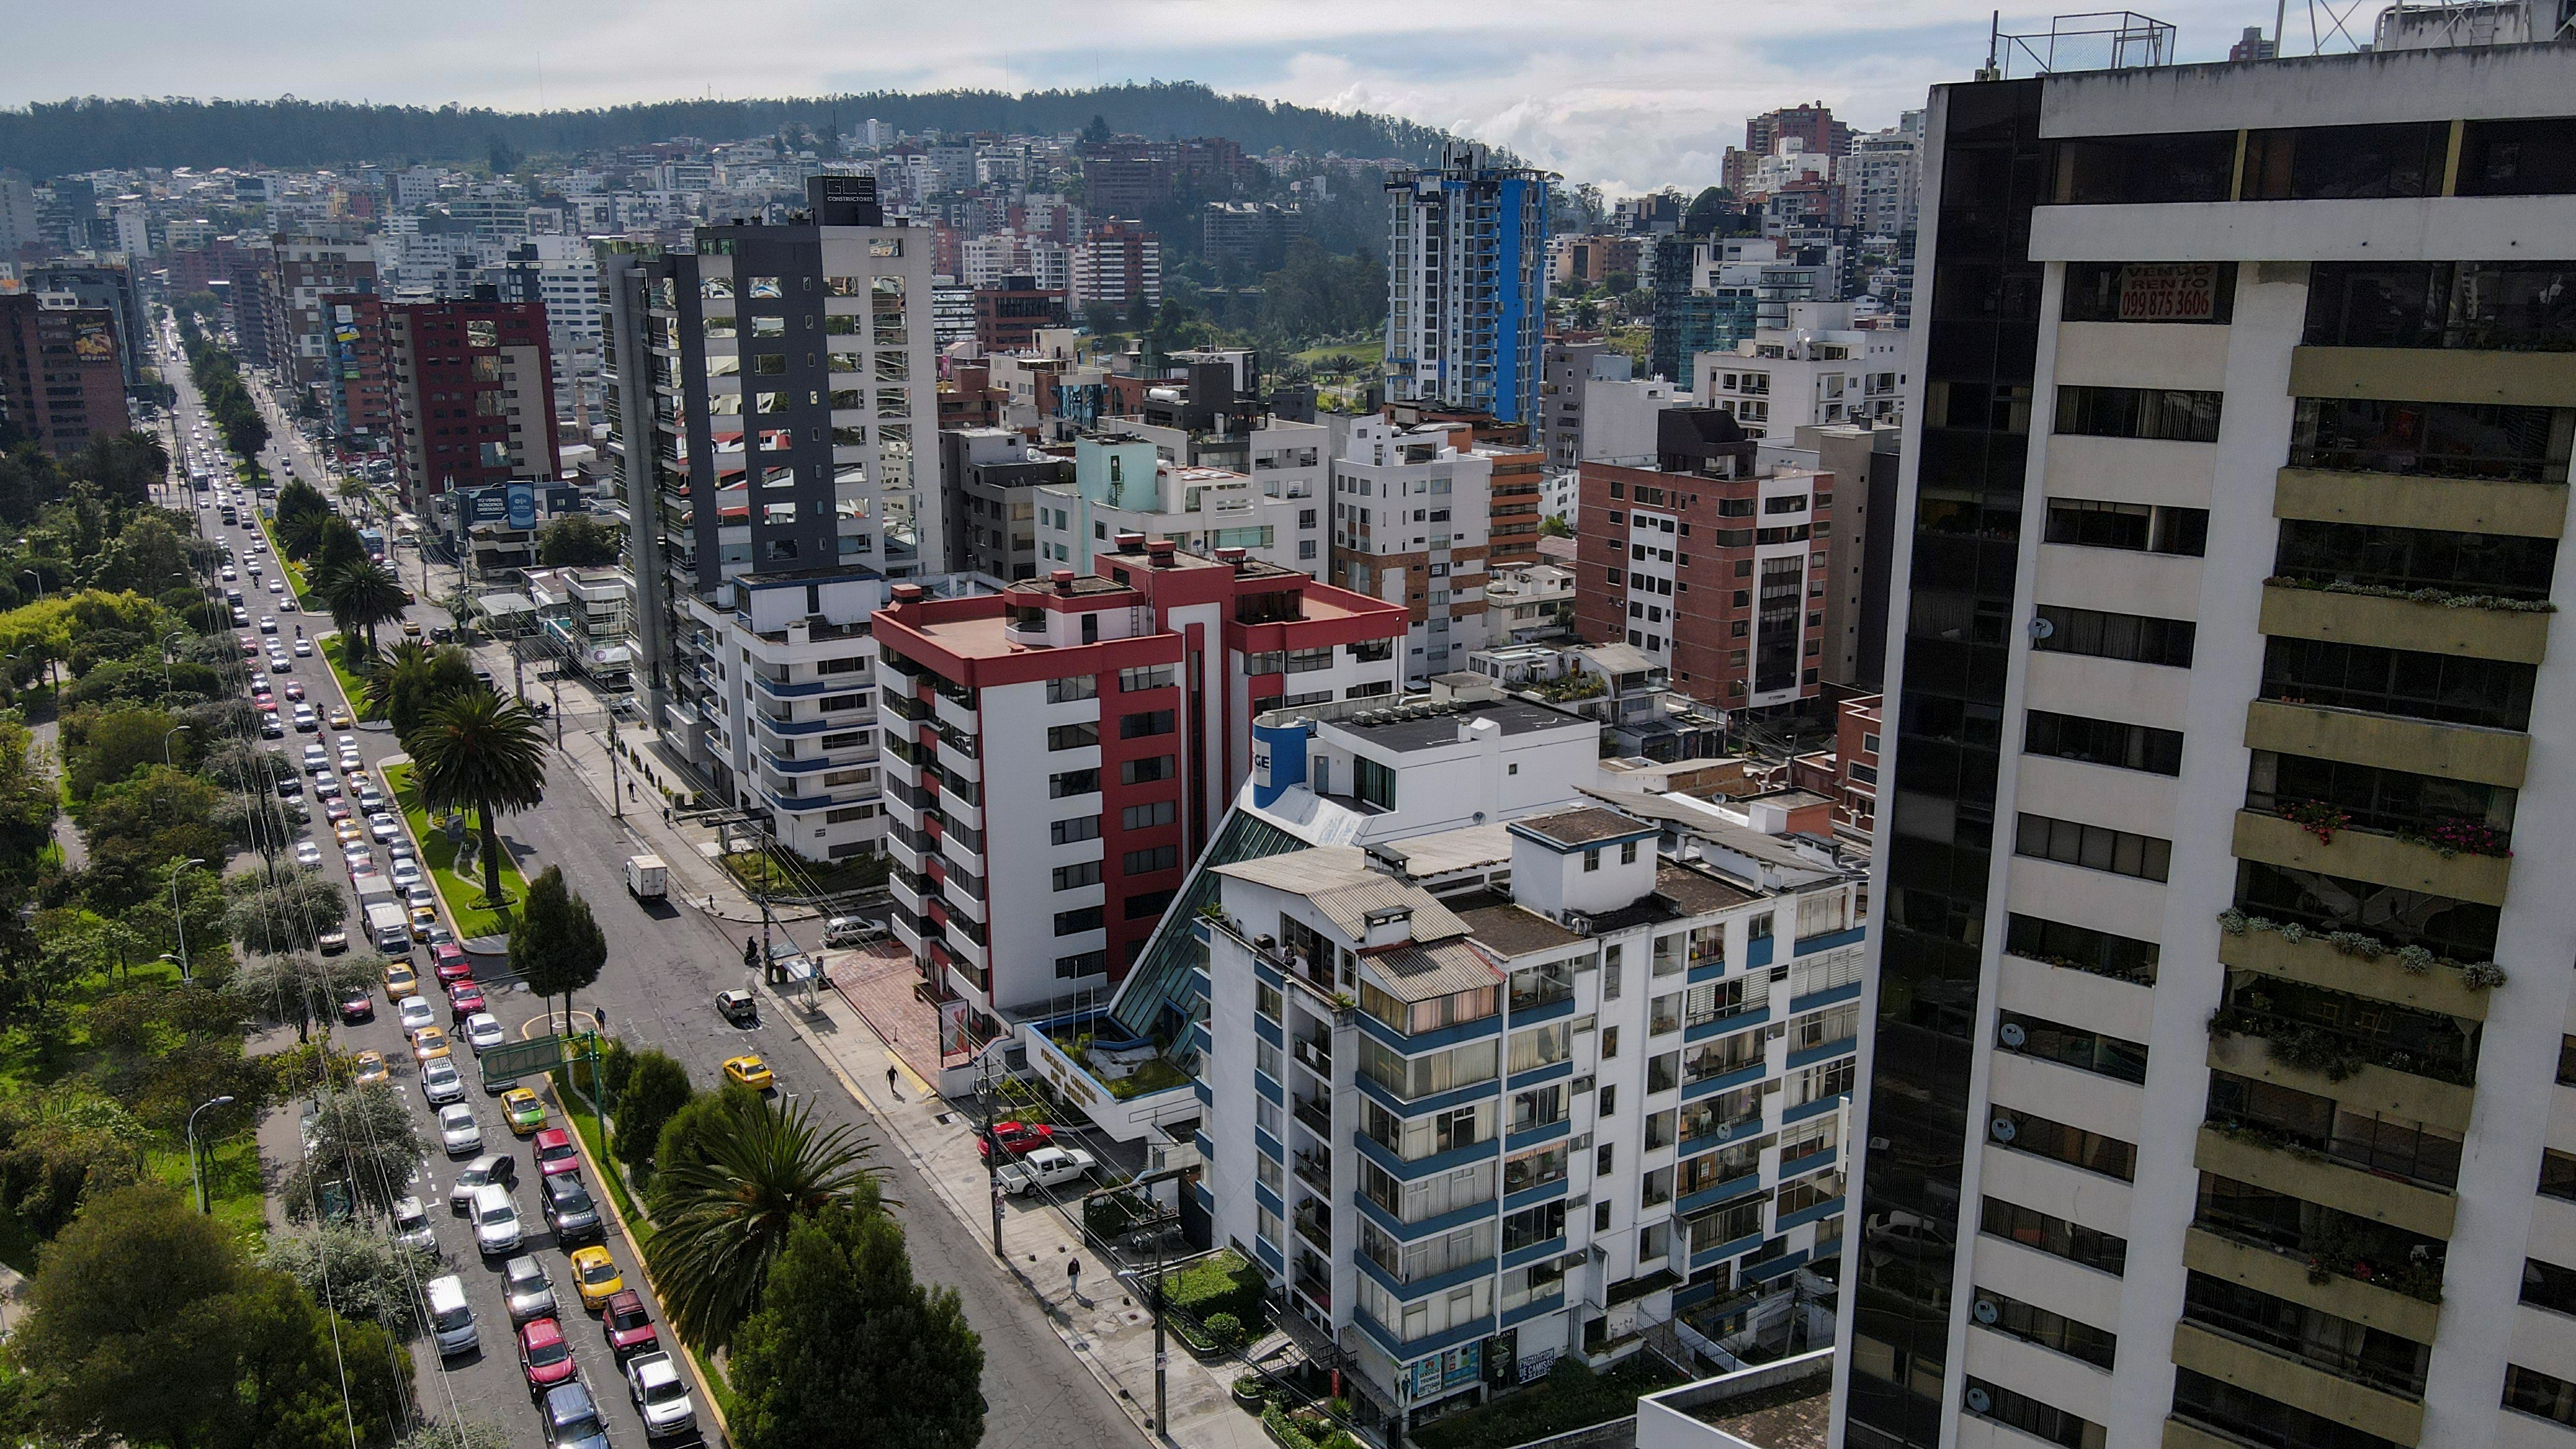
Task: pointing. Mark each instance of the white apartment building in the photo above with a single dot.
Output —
(2222, 1083)
(1820, 369)
(1620, 419)
(1121, 486)
(1411, 518)
(784, 667)
(1486, 1097)
(1882, 178)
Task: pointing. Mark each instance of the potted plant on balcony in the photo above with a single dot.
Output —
(2316, 817)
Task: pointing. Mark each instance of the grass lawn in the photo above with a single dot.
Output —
(576, 1110)
(1571, 1397)
(460, 893)
(233, 1180)
(352, 688)
(779, 874)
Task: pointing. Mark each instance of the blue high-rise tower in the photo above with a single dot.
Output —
(1466, 269)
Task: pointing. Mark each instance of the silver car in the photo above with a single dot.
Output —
(458, 1131)
(531, 1296)
(411, 1225)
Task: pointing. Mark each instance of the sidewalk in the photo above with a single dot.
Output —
(1109, 1328)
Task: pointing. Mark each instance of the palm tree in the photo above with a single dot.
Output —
(477, 750)
(354, 493)
(361, 596)
(728, 1216)
(412, 679)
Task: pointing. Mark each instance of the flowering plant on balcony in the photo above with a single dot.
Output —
(2457, 835)
(2315, 817)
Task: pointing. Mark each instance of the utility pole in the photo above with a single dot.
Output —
(992, 1152)
(556, 684)
(616, 788)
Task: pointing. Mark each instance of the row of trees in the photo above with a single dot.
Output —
(361, 594)
(227, 397)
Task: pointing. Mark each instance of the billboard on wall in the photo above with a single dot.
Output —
(522, 501)
(94, 342)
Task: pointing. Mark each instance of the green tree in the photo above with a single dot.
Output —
(578, 540)
(847, 1351)
(337, 546)
(413, 679)
(283, 913)
(481, 752)
(125, 467)
(364, 1274)
(103, 749)
(655, 1088)
(360, 596)
(363, 1136)
(297, 990)
(555, 942)
(689, 1139)
(147, 1326)
(731, 1214)
(147, 557)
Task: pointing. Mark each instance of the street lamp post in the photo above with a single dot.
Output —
(195, 1178)
(165, 745)
(179, 917)
(167, 655)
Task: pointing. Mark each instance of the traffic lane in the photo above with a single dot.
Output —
(489, 1380)
(658, 989)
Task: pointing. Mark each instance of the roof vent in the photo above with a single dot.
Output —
(1160, 552)
(1063, 579)
(1131, 543)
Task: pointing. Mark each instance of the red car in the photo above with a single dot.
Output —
(465, 998)
(545, 1357)
(555, 1152)
(295, 690)
(249, 649)
(451, 964)
(1017, 1139)
(358, 1006)
(629, 1328)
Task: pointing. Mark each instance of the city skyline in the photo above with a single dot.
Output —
(1632, 99)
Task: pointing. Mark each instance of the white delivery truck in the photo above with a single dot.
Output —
(646, 877)
(389, 926)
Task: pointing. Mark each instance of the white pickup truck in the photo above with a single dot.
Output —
(1046, 1167)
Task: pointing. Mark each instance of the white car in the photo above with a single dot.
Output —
(660, 1395)
(483, 1031)
(316, 759)
(303, 648)
(350, 764)
(231, 575)
(441, 1082)
(307, 853)
(420, 897)
(383, 827)
(496, 1220)
(359, 859)
(326, 788)
(278, 586)
(1046, 1167)
(458, 1130)
(416, 1012)
(406, 874)
(411, 1225)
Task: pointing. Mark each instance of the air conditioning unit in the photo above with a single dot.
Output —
(1579, 923)
(1580, 1199)
(1581, 1143)
(1580, 1084)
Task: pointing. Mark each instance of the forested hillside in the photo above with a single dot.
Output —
(52, 138)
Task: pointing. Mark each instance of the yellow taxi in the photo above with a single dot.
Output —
(525, 1113)
(422, 919)
(751, 1072)
(595, 1274)
(401, 981)
(371, 1068)
(429, 1042)
(349, 832)
(340, 718)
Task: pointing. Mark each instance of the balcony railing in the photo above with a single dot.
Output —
(1315, 1224)
(1315, 1169)
(1317, 1114)
(1315, 1052)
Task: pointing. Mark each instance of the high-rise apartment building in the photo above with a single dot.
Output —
(1466, 275)
(1813, 125)
(1057, 754)
(1116, 263)
(362, 372)
(1412, 515)
(62, 382)
(1714, 568)
(2219, 1061)
(473, 397)
(1566, 371)
(304, 269)
(1819, 369)
(772, 403)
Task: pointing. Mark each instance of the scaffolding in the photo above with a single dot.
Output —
(2097, 40)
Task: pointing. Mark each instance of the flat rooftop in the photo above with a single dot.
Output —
(1586, 825)
(1791, 1416)
(1430, 726)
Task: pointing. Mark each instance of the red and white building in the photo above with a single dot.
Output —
(1056, 754)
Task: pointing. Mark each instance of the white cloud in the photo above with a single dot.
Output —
(1634, 94)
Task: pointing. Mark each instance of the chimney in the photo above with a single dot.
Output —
(1063, 580)
(1131, 543)
(1160, 552)
(1231, 555)
(907, 602)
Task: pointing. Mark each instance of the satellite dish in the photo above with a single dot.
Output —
(1979, 1401)
(1987, 1312)
(2041, 627)
(2013, 1035)
(2003, 1129)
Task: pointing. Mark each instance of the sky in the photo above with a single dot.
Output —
(1632, 95)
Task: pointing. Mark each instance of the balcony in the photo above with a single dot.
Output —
(1315, 1169)
(2452, 505)
(2453, 751)
(1315, 1224)
(2358, 1071)
(1312, 1280)
(1316, 1113)
(2301, 1386)
(782, 689)
(2427, 628)
(2317, 1178)
(2352, 964)
(1316, 1053)
(2367, 855)
(903, 706)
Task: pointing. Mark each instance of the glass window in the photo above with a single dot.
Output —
(2168, 414)
(2487, 306)
(2518, 158)
(2145, 170)
(2150, 292)
(2345, 162)
(2444, 440)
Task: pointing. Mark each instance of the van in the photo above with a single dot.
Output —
(451, 1321)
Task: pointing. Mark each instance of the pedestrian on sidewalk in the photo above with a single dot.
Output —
(1073, 1278)
(891, 1089)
